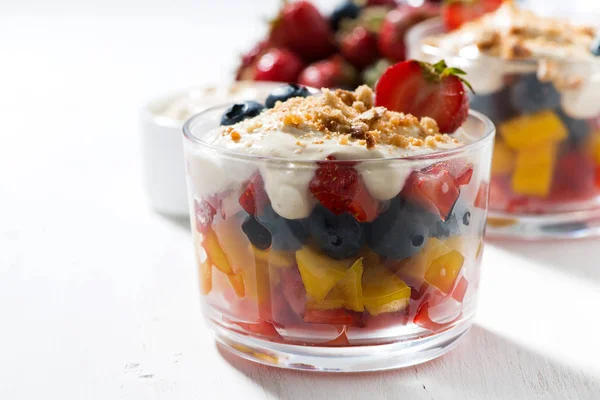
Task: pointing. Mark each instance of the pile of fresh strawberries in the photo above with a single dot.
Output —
(352, 46)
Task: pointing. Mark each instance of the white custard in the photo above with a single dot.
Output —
(293, 152)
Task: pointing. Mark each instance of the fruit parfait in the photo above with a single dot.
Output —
(341, 230)
(538, 79)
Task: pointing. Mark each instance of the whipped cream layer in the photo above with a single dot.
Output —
(341, 124)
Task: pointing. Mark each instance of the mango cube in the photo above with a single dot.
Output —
(319, 272)
(444, 270)
(333, 300)
(534, 170)
(351, 287)
(215, 252)
(383, 291)
(418, 264)
(530, 131)
(503, 161)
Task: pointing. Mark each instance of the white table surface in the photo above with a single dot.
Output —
(98, 295)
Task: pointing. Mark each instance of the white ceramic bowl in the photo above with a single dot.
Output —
(162, 121)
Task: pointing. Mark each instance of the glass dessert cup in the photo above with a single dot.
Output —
(546, 168)
(275, 293)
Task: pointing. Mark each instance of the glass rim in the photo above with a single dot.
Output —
(488, 127)
(416, 34)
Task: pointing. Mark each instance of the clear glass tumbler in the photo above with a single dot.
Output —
(281, 299)
(546, 169)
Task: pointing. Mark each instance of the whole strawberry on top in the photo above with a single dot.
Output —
(425, 90)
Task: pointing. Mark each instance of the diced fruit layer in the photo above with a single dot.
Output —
(383, 291)
(531, 131)
(534, 169)
(319, 272)
(503, 162)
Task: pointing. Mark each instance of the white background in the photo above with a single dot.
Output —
(98, 295)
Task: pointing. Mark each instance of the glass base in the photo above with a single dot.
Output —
(571, 225)
(341, 359)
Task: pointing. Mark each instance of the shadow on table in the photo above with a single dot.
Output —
(178, 221)
(483, 366)
(580, 258)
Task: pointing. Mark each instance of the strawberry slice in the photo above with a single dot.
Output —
(339, 188)
(254, 199)
(481, 200)
(333, 317)
(423, 319)
(461, 171)
(425, 90)
(460, 290)
(433, 189)
(457, 12)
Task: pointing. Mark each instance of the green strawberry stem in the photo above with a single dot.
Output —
(440, 70)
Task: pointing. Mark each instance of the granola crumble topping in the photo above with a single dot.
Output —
(513, 33)
(346, 117)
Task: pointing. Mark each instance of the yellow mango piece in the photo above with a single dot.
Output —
(215, 252)
(351, 287)
(334, 300)
(418, 264)
(533, 170)
(235, 244)
(319, 272)
(442, 271)
(383, 291)
(283, 259)
(503, 162)
(205, 274)
(530, 131)
(237, 282)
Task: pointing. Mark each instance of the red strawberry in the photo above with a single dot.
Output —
(395, 25)
(425, 90)
(246, 69)
(333, 72)
(278, 65)
(204, 213)
(359, 47)
(254, 199)
(434, 190)
(459, 170)
(333, 317)
(481, 200)
(569, 186)
(339, 188)
(302, 29)
(457, 12)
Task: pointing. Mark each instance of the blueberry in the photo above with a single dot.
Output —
(595, 49)
(528, 95)
(495, 106)
(338, 236)
(257, 233)
(287, 234)
(240, 111)
(286, 92)
(346, 10)
(578, 129)
(455, 224)
(401, 230)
